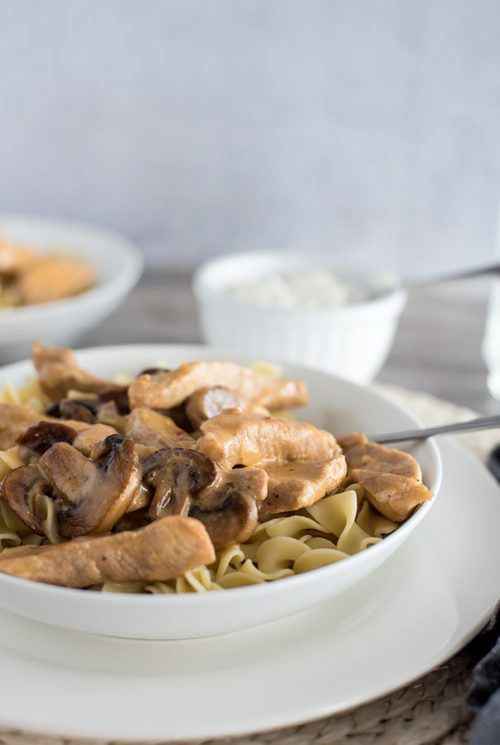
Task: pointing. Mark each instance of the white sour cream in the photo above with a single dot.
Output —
(306, 289)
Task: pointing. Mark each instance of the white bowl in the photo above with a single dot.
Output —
(118, 265)
(351, 340)
(336, 405)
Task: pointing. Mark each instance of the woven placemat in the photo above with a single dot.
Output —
(430, 711)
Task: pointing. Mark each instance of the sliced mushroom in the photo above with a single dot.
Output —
(176, 475)
(83, 410)
(14, 420)
(209, 402)
(157, 552)
(132, 520)
(91, 493)
(234, 438)
(168, 389)
(187, 482)
(230, 512)
(26, 492)
(58, 372)
(40, 437)
(118, 395)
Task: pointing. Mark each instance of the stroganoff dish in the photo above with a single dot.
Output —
(183, 480)
(28, 277)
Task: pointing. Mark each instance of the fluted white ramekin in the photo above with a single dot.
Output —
(352, 341)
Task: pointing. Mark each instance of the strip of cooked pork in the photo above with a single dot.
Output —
(148, 427)
(293, 486)
(15, 257)
(166, 389)
(360, 453)
(58, 372)
(236, 438)
(54, 278)
(15, 419)
(394, 496)
(392, 479)
(160, 551)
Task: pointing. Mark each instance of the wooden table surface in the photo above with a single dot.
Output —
(437, 347)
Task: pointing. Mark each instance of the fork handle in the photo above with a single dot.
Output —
(482, 422)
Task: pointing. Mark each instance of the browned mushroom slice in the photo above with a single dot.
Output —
(293, 486)
(40, 437)
(92, 493)
(187, 482)
(26, 492)
(176, 475)
(209, 402)
(149, 427)
(58, 372)
(160, 551)
(394, 496)
(168, 389)
(83, 410)
(14, 420)
(230, 511)
(235, 438)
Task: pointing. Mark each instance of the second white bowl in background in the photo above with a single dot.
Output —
(351, 340)
(118, 266)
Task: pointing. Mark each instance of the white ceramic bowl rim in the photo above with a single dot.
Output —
(207, 287)
(129, 268)
(135, 601)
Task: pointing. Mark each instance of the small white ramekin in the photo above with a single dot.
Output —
(352, 341)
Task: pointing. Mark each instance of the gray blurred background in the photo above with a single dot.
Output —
(364, 128)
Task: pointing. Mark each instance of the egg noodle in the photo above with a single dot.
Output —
(335, 527)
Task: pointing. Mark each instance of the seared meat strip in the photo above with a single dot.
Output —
(14, 257)
(162, 550)
(293, 486)
(392, 495)
(392, 479)
(58, 373)
(54, 278)
(360, 453)
(15, 419)
(236, 438)
(149, 427)
(164, 390)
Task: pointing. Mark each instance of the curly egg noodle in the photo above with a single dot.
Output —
(335, 527)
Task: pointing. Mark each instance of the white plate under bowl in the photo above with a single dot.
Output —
(407, 617)
(118, 265)
(336, 405)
